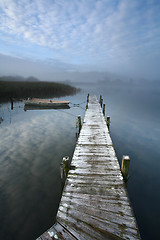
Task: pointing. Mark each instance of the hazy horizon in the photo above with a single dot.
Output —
(52, 38)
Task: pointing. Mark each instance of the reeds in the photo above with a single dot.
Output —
(22, 90)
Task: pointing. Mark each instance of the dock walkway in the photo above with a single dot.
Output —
(94, 203)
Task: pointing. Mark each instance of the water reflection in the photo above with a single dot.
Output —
(34, 142)
(32, 146)
(1, 120)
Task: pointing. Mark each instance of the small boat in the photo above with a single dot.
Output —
(37, 107)
(45, 103)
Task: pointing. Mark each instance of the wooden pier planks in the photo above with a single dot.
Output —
(94, 202)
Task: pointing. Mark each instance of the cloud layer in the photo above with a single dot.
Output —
(108, 34)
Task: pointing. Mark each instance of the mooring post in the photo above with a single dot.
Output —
(104, 109)
(87, 101)
(101, 100)
(88, 98)
(11, 103)
(79, 123)
(66, 165)
(108, 122)
(125, 167)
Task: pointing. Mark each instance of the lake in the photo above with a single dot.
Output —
(33, 143)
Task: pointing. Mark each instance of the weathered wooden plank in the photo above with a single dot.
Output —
(84, 230)
(122, 201)
(80, 229)
(89, 181)
(120, 231)
(98, 212)
(93, 172)
(106, 206)
(57, 231)
(95, 190)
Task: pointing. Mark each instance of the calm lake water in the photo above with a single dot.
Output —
(33, 142)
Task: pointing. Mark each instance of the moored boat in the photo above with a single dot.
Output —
(45, 102)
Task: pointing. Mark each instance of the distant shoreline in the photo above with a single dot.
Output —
(24, 89)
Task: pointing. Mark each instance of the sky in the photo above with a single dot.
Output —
(46, 36)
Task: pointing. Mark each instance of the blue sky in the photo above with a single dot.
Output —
(84, 35)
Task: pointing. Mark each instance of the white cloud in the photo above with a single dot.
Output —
(99, 32)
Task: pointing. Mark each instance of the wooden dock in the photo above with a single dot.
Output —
(94, 203)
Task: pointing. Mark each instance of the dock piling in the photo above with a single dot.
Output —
(101, 101)
(11, 99)
(87, 101)
(88, 98)
(66, 165)
(108, 122)
(64, 168)
(79, 123)
(125, 166)
(104, 109)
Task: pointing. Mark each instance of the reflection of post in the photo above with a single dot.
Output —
(125, 167)
(11, 103)
(1, 120)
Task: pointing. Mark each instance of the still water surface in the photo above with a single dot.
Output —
(33, 142)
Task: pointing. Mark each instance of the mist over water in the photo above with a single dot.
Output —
(32, 145)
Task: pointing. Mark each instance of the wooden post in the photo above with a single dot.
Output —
(125, 166)
(79, 123)
(87, 101)
(104, 109)
(108, 122)
(100, 99)
(64, 169)
(11, 103)
(101, 102)
(88, 98)
(66, 165)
